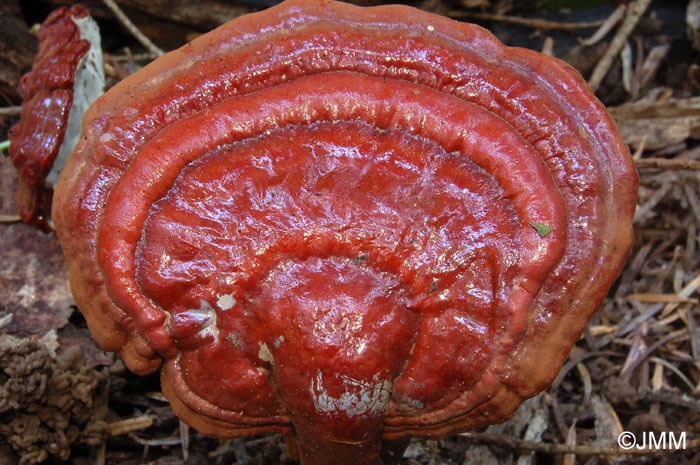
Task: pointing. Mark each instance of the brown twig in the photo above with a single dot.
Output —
(130, 425)
(6, 319)
(607, 25)
(126, 22)
(634, 13)
(164, 442)
(8, 218)
(535, 23)
(649, 297)
(514, 443)
(671, 164)
(135, 56)
(10, 111)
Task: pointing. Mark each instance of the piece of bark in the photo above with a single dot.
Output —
(660, 123)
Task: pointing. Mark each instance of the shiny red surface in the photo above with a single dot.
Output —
(36, 139)
(48, 97)
(415, 214)
(321, 217)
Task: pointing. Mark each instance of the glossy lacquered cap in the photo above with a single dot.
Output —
(346, 223)
(65, 77)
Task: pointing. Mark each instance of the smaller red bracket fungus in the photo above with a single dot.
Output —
(65, 79)
(346, 224)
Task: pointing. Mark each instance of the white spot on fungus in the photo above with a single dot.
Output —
(207, 316)
(264, 354)
(226, 302)
(359, 398)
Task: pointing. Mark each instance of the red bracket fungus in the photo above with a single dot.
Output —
(346, 224)
(65, 79)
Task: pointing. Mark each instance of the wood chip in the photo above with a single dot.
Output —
(587, 384)
(130, 425)
(601, 330)
(689, 318)
(570, 459)
(548, 46)
(185, 440)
